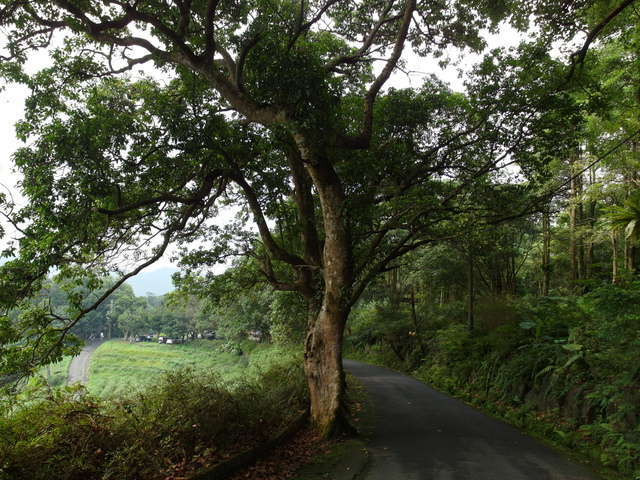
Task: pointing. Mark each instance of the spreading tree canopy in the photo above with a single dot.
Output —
(282, 110)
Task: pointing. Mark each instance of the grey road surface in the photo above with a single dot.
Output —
(79, 366)
(422, 434)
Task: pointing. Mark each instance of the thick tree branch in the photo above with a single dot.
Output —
(577, 58)
(267, 270)
(301, 27)
(198, 197)
(209, 31)
(368, 42)
(306, 211)
(261, 222)
(363, 139)
(184, 7)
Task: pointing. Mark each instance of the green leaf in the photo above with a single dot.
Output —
(572, 360)
(528, 325)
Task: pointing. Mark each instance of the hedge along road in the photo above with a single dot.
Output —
(79, 365)
(422, 434)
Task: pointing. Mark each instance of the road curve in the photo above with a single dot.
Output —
(422, 434)
(79, 365)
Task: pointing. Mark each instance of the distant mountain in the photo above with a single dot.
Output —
(157, 282)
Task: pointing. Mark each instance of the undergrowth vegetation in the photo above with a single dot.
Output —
(567, 368)
(186, 418)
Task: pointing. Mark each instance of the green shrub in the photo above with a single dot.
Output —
(235, 348)
(184, 416)
(50, 434)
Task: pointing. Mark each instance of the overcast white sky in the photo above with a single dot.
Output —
(11, 104)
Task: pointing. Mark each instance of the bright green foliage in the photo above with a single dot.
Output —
(133, 321)
(247, 312)
(626, 218)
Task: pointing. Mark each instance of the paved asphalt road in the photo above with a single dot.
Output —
(79, 364)
(422, 434)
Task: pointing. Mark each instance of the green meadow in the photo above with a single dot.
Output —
(121, 367)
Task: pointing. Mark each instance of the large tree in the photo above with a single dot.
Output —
(276, 107)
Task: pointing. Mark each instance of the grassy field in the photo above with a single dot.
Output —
(119, 367)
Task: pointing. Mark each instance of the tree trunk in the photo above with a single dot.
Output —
(470, 292)
(629, 245)
(591, 212)
(511, 273)
(323, 369)
(576, 250)
(630, 256)
(546, 254)
(323, 345)
(615, 276)
(414, 320)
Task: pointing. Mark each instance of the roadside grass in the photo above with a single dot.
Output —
(118, 367)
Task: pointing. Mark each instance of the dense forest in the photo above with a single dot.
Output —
(483, 237)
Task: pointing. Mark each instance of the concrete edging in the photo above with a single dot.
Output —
(224, 469)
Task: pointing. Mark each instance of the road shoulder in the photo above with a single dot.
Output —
(346, 457)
